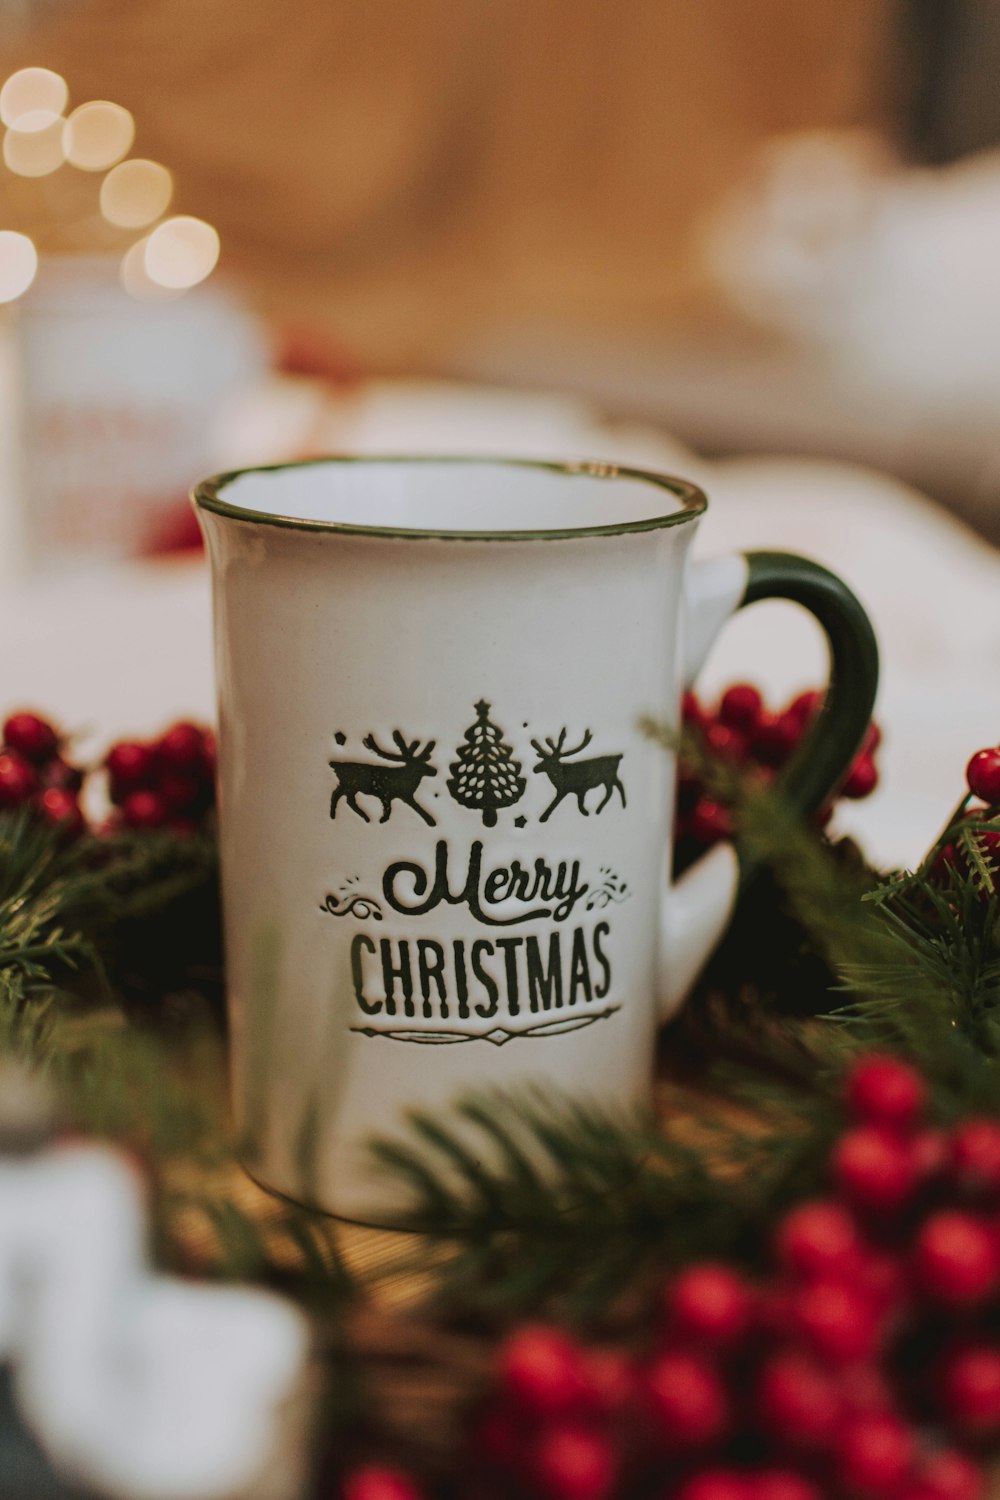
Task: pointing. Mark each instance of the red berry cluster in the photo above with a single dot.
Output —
(168, 782)
(865, 1365)
(34, 773)
(743, 730)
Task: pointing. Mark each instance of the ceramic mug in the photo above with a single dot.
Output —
(445, 836)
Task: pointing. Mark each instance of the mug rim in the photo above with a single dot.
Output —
(693, 500)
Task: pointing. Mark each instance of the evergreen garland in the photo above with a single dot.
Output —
(110, 984)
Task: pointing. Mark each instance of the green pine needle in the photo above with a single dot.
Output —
(541, 1203)
(528, 1201)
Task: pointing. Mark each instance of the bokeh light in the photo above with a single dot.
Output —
(136, 279)
(36, 149)
(97, 135)
(181, 252)
(32, 91)
(18, 264)
(135, 193)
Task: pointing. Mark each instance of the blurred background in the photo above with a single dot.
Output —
(757, 244)
(759, 226)
(752, 242)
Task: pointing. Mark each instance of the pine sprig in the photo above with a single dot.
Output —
(532, 1200)
(36, 938)
(65, 908)
(539, 1203)
(61, 903)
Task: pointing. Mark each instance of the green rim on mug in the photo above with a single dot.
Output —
(825, 753)
(692, 500)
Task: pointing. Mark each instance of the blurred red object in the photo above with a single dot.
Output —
(173, 529)
(303, 349)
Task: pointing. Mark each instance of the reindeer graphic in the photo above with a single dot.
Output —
(389, 783)
(579, 776)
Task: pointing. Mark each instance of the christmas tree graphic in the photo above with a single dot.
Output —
(485, 776)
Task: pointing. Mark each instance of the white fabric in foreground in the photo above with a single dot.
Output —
(135, 1385)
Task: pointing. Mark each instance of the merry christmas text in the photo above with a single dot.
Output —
(481, 977)
(545, 890)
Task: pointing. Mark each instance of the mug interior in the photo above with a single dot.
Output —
(454, 497)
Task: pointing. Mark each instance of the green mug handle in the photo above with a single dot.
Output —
(700, 904)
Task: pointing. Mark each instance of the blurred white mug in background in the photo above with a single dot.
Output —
(116, 401)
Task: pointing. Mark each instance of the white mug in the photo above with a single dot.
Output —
(445, 836)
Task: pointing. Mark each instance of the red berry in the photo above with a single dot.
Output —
(872, 739)
(861, 779)
(379, 1482)
(18, 779)
(692, 711)
(882, 1277)
(983, 775)
(730, 743)
(946, 863)
(180, 792)
(882, 1090)
(209, 753)
(709, 821)
(873, 1169)
(716, 1484)
(686, 1399)
(540, 1368)
(781, 1484)
(741, 706)
(930, 1153)
(142, 809)
(956, 1259)
(58, 806)
(59, 773)
(774, 738)
(797, 1400)
(970, 1387)
(805, 707)
(30, 736)
(773, 1310)
(574, 1463)
(875, 1453)
(948, 1475)
(975, 1156)
(866, 1389)
(130, 765)
(710, 1302)
(838, 1321)
(181, 747)
(819, 1238)
(608, 1380)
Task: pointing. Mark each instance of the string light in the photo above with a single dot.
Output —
(18, 264)
(31, 91)
(135, 193)
(180, 252)
(34, 146)
(97, 135)
(35, 121)
(136, 279)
